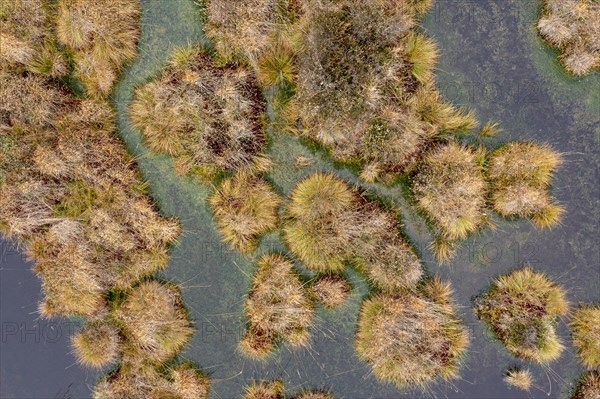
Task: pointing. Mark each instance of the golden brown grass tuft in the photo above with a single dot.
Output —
(450, 187)
(278, 307)
(585, 331)
(330, 290)
(208, 118)
(520, 175)
(521, 309)
(330, 224)
(264, 390)
(410, 340)
(244, 206)
(588, 387)
(155, 324)
(572, 26)
(102, 35)
(97, 344)
(522, 379)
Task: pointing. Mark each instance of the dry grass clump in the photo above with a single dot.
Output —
(585, 330)
(588, 386)
(522, 379)
(97, 344)
(520, 175)
(181, 381)
(278, 307)
(330, 224)
(330, 290)
(245, 206)
(206, 117)
(241, 31)
(451, 188)
(521, 309)
(573, 27)
(155, 323)
(311, 394)
(264, 390)
(26, 37)
(363, 81)
(102, 35)
(409, 339)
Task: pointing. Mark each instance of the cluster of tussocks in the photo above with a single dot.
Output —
(585, 330)
(181, 381)
(242, 30)
(278, 307)
(521, 309)
(519, 378)
(330, 290)
(101, 36)
(588, 386)
(450, 187)
(209, 118)
(412, 338)
(574, 27)
(329, 224)
(363, 81)
(71, 196)
(520, 174)
(245, 206)
(275, 390)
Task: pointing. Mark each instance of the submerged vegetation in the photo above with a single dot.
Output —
(209, 118)
(410, 339)
(572, 26)
(330, 224)
(521, 309)
(70, 194)
(278, 307)
(585, 327)
(520, 174)
(244, 207)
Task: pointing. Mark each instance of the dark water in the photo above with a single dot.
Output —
(491, 60)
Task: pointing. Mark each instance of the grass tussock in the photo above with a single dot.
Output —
(330, 290)
(278, 307)
(208, 118)
(521, 309)
(265, 390)
(588, 386)
(244, 206)
(181, 381)
(572, 26)
(155, 323)
(102, 36)
(330, 224)
(97, 344)
(519, 378)
(364, 83)
(585, 332)
(520, 175)
(409, 339)
(242, 31)
(451, 188)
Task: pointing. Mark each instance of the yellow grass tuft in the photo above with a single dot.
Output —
(330, 290)
(521, 308)
(96, 345)
(102, 35)
(522, 379)
(264, 390)
(245, 207)
(278, 307)
(585, 332)
(409, 340)
(588, 386)
(208, 118)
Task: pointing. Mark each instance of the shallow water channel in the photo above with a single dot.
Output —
(491, 60)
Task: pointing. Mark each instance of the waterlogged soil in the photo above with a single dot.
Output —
(491, 60)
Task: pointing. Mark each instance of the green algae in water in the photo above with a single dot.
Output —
(215, 280)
